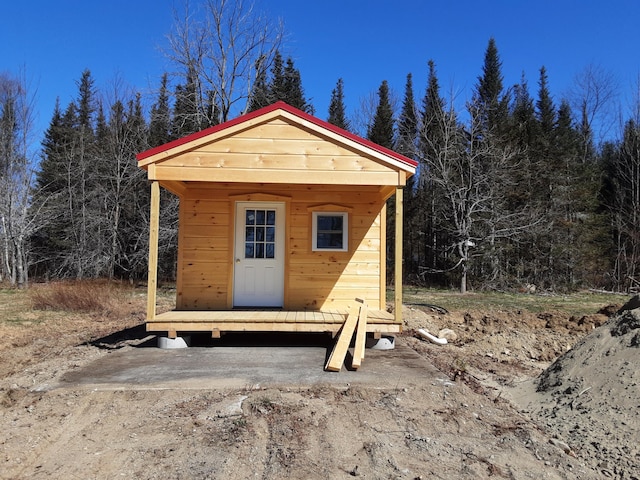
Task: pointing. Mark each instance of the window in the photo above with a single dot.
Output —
(260, 234)
(330, 231)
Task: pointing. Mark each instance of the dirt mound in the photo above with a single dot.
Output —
(590, 396)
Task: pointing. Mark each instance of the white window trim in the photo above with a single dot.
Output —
(345, 231)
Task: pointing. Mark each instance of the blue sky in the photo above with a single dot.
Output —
(364, 42)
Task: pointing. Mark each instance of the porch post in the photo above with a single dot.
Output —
(397, 281)
(154, 227)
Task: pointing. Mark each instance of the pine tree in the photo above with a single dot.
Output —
(490, 103)
(293, 88)
(337, 114)
(67, 179)
(51, 243)
(277, 86)
(546, 113)
(406, 145)
(543, 146)
(496, 156)
(527, 192)
(407, 122)
(286, 85)
(577, 248)
(260, 90)
(381, 129)
(160, 117)
(431, 133)
(83, 215)
(438, 128)
(101, 127)
(187, 117)
(545, 242)
(54, 138)
(522, 135)
(86, 103)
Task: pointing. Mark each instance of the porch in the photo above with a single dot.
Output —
(219, 321)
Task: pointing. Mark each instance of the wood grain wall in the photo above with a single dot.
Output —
(313, 280)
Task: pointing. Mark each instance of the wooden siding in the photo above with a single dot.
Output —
(313, 280)
(275, 152)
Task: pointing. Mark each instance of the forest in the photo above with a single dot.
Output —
(517, 190)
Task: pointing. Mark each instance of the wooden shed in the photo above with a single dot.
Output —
(281, 226)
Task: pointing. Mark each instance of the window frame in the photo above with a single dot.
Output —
(345, 231)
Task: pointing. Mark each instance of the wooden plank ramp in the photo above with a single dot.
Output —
(339, 352)
(361, 337)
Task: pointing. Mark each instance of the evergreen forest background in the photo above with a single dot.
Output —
(519, 188)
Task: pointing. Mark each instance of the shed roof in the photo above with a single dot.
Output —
(294, 115)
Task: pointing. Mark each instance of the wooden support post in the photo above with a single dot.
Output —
(361, 337)
(383, 258)
(154, 228)
(397, 281)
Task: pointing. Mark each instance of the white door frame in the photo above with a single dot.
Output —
(259, 247)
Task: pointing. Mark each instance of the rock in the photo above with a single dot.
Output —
(624, 324)
(632, 304)
(449, 334)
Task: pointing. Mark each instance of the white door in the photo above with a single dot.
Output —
(259, 255)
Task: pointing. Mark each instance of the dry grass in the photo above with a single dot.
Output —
(87, 296)
(15, 307)
(577, 303)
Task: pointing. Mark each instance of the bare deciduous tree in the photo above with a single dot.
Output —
(17, 221)
(622, 198)
(222, 45)
(594, 96)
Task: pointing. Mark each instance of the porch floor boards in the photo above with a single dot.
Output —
(378, 321)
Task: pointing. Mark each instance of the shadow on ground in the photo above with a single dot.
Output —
(138, 337)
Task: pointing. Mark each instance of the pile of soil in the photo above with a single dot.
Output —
(590, 396)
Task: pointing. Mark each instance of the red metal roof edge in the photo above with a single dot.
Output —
(280, 105)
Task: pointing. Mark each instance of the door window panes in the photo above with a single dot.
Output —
(260, 235)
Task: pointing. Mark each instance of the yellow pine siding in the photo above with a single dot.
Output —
(314, 279)
(275, 152)
(275, 145)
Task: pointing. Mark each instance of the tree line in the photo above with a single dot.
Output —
(513, 190)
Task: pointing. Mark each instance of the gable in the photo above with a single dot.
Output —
(279, 145)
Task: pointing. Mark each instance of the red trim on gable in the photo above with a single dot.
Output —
(280, 105)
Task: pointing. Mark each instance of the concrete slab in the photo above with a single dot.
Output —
(249, 361)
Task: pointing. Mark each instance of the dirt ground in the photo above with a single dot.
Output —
(497, 412)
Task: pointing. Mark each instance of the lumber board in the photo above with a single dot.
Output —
(154, 229)
(397, 281)
(208, 326)
(361, 337)
(195, 174)
(301, 157)
(336, 359)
